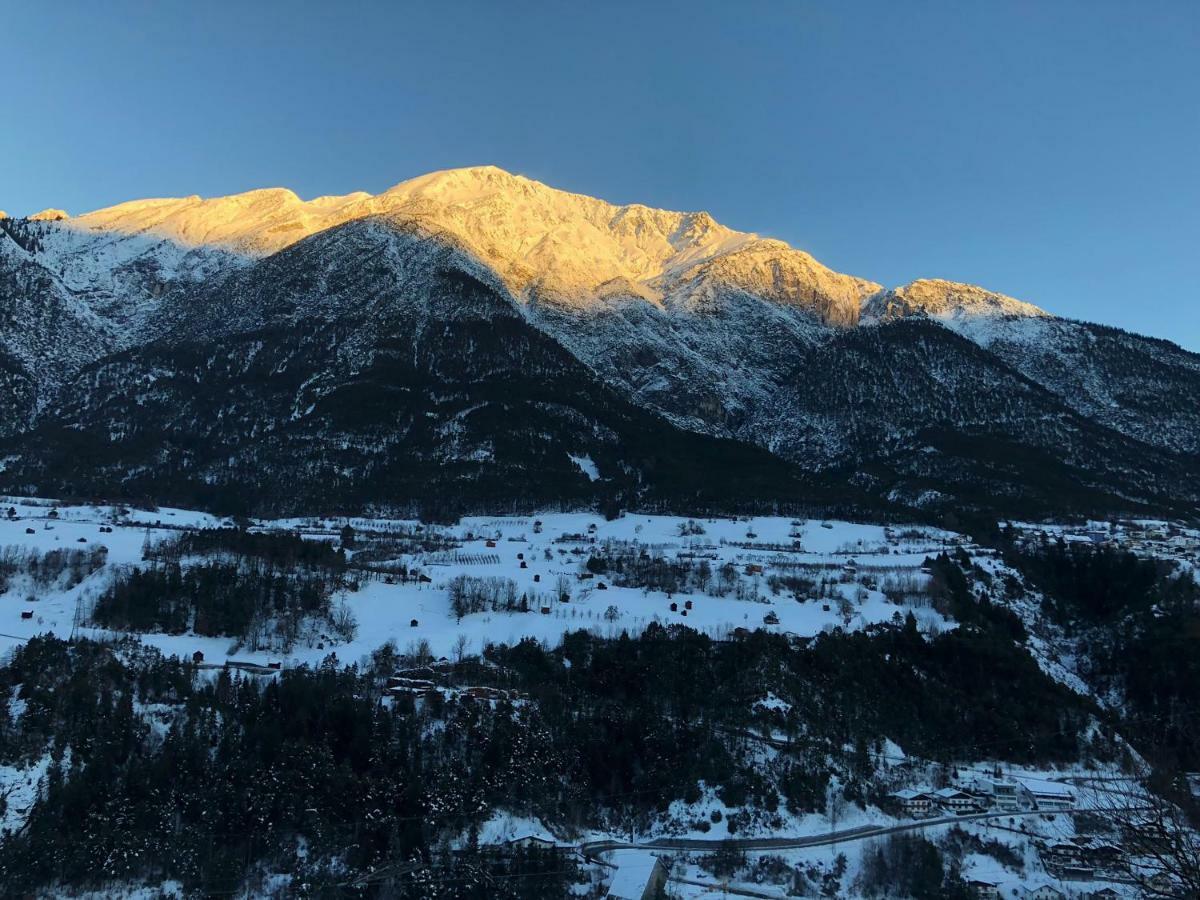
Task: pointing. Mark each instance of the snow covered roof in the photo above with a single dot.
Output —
(1047, 788)
(634, 870)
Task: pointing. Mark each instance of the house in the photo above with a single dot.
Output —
(1049, 795)
(753, 569)
(531, 840)
(1105, 893)
(198, 657)
(955, 801)
(27, 614)
(490, 544)
(769, 619)
(1045, 892)
(914, 803)
(639, 876)
(984, 889)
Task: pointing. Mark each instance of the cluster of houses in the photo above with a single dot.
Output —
(1159, 540)
(1080, 858)
(989, 890)
(987, 795)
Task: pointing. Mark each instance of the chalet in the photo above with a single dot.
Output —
(27, 614)
(955, 801)
(683, 612)
(1045, 892)
(424, 579)
(1105, 893)
(524, 565)
(674, 607)
(985, 890)
(537, 577)
(601, 586)
(275, 665)
(770, 619)
(198, 657)
(545, 610)
(490, 544)
(914, 803)
(413, 623)
(1103, 855)
(753, 569)
(639, 876)
(30, 531)
(531, 840)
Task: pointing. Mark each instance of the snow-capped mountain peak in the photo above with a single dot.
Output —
(946, 301)
(544, 243)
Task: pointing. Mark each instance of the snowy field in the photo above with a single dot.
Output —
(491, 547)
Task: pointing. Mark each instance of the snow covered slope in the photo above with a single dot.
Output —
(909, 393)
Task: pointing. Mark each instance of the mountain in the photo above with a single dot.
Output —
(473, 338)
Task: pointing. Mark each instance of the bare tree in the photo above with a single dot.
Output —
(562, 588)
(460, 647)
(1156, 817)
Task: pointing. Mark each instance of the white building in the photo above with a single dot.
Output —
(1049, 795)
(955, 801)
(914, 803)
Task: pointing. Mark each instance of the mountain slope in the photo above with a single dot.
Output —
(474, 335)
(370, 366)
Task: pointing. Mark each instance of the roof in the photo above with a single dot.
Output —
(947, 793)
(1048, 788)
(634, 868)
(909, 794)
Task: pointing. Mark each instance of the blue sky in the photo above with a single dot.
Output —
(1049, 150)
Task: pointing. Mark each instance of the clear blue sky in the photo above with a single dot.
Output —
(1050, 149)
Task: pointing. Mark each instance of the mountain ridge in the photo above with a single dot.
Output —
(902, 395)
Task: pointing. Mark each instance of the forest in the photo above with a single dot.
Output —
(155, 769)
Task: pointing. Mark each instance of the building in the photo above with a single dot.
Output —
(1049, 795)
(531, 840)
(1003, 794)
(985, 890)
(639, 876)
(1045, 892)
(914, 803)
(955, 801)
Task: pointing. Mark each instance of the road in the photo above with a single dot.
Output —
(808, 840)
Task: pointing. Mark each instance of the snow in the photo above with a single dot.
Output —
(586, 466)
(955, 305)
(633, 873)
(385, 611)
(540, 241)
